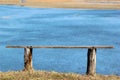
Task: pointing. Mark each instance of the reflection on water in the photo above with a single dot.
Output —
(51, 26)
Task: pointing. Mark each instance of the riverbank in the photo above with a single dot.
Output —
(84, 5)
(43, 75)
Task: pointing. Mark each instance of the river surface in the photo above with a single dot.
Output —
(51, 26)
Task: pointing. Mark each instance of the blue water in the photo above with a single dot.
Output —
(51, 26)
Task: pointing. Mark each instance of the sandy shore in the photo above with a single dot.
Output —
(84, 5)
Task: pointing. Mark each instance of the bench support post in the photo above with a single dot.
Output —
(27, 59)
(91, 61)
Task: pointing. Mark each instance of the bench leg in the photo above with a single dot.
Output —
(27, 59)
(91, 61)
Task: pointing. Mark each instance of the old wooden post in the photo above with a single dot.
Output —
(27, 59)
(91, 61)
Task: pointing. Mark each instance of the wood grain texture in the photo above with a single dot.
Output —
(60, 46)
(91, 61)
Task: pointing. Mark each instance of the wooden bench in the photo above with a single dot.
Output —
(91, 56)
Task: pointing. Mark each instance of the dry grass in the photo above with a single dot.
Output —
(94, 4)
(74, 5)
(43, 75)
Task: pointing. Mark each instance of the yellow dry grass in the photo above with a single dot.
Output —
(89, 4)
(74, 5)
(43, 75)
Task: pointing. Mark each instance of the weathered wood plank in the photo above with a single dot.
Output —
(60, 46)
(28, 59)
(91, 61)
(18, 46)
